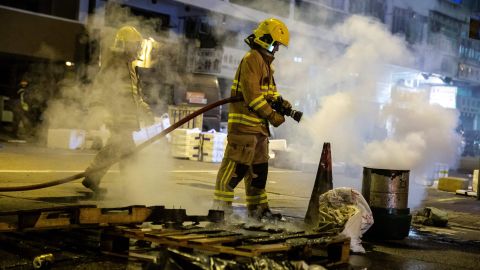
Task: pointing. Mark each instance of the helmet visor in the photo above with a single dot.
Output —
(148, 53)
(273, 45)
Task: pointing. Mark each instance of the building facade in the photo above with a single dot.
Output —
(443, 34)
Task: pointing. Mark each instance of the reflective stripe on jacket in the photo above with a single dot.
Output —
(23, 103)
(254, 81)
(118, 91)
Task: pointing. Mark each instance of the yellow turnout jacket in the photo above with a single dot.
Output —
(254, 80)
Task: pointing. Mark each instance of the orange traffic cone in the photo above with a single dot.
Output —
(323, 183)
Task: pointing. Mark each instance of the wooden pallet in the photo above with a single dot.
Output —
(46, 218)
(237, 241)
(108, 216)
(333, 250)
(71, 217)
(78, 216)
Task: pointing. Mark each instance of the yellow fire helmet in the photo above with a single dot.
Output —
(23, 83)
(271, 31)
(148, 54)
(124, 36)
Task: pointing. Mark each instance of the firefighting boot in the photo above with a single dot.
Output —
(226, 207)
(268, 216)
(236, 176)
(93, 185)
(264, 215)
(257, 200)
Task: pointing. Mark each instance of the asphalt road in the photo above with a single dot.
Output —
(156, 179)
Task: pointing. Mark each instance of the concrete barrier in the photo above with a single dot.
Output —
(451, 184)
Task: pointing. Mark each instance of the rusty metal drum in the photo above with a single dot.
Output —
(386, 191)
(386, 188)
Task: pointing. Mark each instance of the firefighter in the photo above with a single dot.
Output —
(246, 154)
(22, 120)
(119, 94)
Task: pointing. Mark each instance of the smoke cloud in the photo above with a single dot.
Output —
(346, 86)
(356, 113)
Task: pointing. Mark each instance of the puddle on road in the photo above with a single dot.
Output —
(68, 199)
(198, 185)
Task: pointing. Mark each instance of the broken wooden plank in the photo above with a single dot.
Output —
(338, 251)
(8, 223)
(123, 215)
(8, 227)
(213, 240)
(257, 250)
(186, 237)
(47, 218)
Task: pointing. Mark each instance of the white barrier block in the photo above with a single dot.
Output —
(66, 138)
(279, 145)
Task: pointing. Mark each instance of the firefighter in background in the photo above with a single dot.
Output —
(246, 155)
(22, 120)
(120, 97)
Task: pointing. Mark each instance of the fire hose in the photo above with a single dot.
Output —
(137, 149)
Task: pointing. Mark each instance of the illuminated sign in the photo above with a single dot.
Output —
(444, 96)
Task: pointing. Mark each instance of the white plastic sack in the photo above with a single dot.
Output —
(361, 219)
(353, 230)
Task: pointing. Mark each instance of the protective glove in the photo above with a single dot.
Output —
(276, 119)
(286, 104)
(25, 106)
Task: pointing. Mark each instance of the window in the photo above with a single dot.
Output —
(277, 7)
(441, 23)
(335, 4)
(474, 29)
(338, 4)
(315, 14)
(373, 8)
(408, 23)
(58, 8)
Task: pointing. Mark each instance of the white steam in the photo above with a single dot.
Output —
(406, 132)
(402, 153)
(347, 117)
(423, 133)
